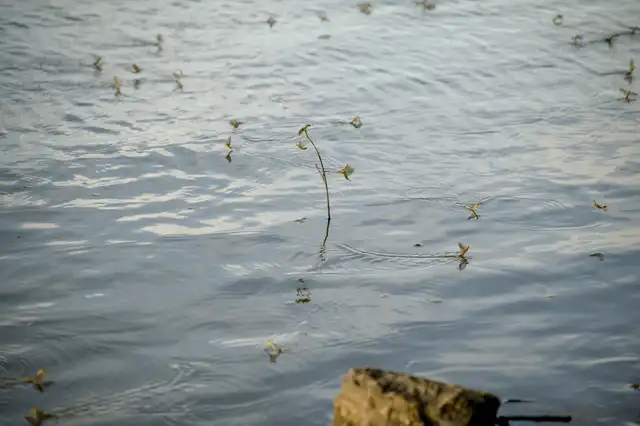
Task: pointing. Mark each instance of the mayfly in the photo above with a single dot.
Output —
(627, 95)
(609, 40)
(271, 21)
(97, 63)
(628, 76)
(323, 17)
(346, 171)
(356, 122)
(558, 19)
(228, 143)
(472, 208)
(178, 77)
(235, 123)
(136, 69)
(116, 83)
(159, 43)
(599, 206)
(273, 350)
(38, 380)
(37, 417)
(463, 250)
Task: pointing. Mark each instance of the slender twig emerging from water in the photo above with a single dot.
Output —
(323, 173)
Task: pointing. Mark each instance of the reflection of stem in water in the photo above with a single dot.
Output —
(322, 253)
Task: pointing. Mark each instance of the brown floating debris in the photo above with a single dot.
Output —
(375, 397)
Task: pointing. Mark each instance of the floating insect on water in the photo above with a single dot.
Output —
(178, 75)
(38, 381)
(577, 40)
(273, 350)
(558, 19)
(97, 63)
(628, 76)
(365, 8)
(303, 295)
(346, 171)
(271, 21)
(599, 206)
(464, 261)
(356, 122)
(116, 85)
(159, 43)
(472, 208)
(228, 146)
(37, 417)
(426, 5)
(609, 40)
(628, 95)
(235, 123)
(228, 143)
(136, 69)
(323, 17)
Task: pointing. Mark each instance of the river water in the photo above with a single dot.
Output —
(145, 272)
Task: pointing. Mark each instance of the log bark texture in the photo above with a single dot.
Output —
(372, 397)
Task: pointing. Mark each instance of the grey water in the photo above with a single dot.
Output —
(145, 272)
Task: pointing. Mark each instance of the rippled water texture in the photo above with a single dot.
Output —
(146, 273)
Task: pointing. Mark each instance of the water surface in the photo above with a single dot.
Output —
(146, 273)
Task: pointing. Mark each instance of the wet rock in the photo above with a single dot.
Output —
(372, 397)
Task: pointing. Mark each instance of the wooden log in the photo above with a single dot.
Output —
(372, 397)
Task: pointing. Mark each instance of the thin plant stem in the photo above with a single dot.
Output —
(323, 173)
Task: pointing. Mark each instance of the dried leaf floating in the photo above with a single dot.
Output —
(558, 19)
(37, 417)
(346, 171)
(38, 380)
(599, 206)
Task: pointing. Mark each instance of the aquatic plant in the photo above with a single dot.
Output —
(37, 417)
(38, 380)
(97, 62)
(178, 75)
(323, 173)
(599, 206)
(365, 8)
(558, 19)
(271, 21)
(356, 121)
